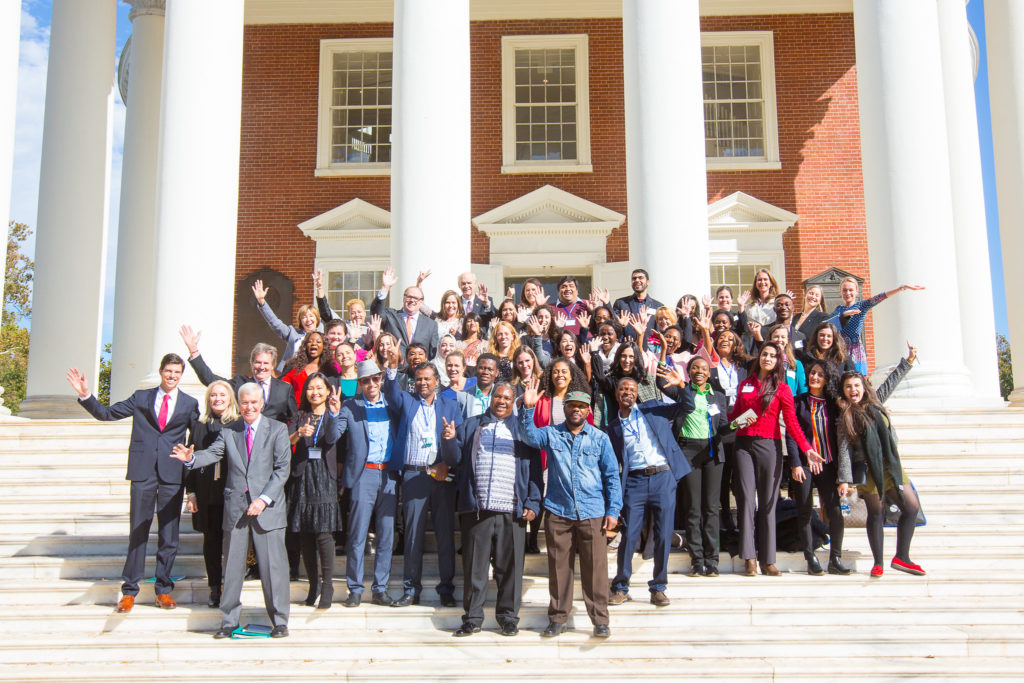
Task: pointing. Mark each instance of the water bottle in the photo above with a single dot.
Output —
(844, 506)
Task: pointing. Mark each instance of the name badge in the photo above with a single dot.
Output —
(428, 442)
(791, 373)
(747, 389)
(713, 410)
(798, 344)
(315, 454)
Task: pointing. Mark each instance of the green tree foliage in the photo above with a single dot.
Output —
(1005, 366)
(17, 307)
(103, 383)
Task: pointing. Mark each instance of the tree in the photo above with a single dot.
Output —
(17, 306)
(1005, 366)
(103, 382)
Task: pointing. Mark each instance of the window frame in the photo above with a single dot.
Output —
(765, 42)
(328, 48)
(579, 42)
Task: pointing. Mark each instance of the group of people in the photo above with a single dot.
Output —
(583, 416)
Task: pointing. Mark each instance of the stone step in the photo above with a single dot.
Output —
(687, 615)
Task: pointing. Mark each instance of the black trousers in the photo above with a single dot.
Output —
(497, 535)
(801, 492)
(213, 546)
(759, 472)
(699, 493)
(166, 499)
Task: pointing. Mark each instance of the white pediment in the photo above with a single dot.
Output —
(740, 212)
(549, 210)
(353, 219)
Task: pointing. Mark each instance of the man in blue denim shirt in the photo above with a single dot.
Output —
(583, 499)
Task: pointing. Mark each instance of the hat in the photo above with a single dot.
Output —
(367, 368)
(578, 397)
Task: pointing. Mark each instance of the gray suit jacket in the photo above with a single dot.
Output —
(249, 478)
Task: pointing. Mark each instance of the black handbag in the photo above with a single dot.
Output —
(859, 469)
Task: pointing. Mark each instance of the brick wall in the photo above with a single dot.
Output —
(819, 138)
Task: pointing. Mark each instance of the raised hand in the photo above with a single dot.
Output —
(523, 314)
(334, 402)
(481, 292)
(913, 288)
(583, 319)
(561, 319)
(78, 382)
(318, 282)
(743, 299)
(260, 292)
(448, 432)
(534, 327)
(388, 279)
(542, 298)
(623, 319)
(374, 325)
(602, 295)
(424, 274)
(530, 393)
(585, 354)
(638, 323)
(510, 293)
(191, 338)
(595, 344)
(755, 329)
(180, 452)
(706, 300)
(790, 294)
(911, 353)
(670, 376)
(646, 313)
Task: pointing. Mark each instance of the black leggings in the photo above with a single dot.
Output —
(321, 545)
(904, 528)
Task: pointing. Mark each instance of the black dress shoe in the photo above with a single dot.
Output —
(602, 631)
(383, 598)
(448, 600)
(406, 600)
(311, 596)
(553, 630)
(252, 572)
(354, 599)
(510, 628)
(466, 630)
(224, 632)
(214, 600)
(280, 631)
(837, 567)
(813, 567)
(532, 549)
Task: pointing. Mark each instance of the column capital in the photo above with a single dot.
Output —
(145, 8)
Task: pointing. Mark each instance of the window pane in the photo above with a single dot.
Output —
(733, 95)
(361, 113)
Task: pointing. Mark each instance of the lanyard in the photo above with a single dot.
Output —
(711, 438)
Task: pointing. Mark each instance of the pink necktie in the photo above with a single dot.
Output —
(161, 418)
(248, 441)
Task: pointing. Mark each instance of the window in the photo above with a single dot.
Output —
(738, 277)
(740, 118)
(354, 131)
(545, 104)
(352, 284)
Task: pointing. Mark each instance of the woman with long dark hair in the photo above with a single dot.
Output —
(827, 345)
(818, 414)
(628, 362)
(762, 396)
(313, 509)
(306, 362)
(472, 340)
(870, 459)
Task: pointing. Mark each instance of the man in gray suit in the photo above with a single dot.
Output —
(258, 460)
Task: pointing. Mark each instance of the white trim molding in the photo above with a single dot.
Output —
(765, 42)
(745, 230)
(574, 230)
(579, 44)
(324, 134)
(352, 232)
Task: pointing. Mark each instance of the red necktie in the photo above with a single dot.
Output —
(161, 418)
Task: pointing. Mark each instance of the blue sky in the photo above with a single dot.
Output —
(31, 93)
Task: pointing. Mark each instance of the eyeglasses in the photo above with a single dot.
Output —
(412, 298)
(372, 379)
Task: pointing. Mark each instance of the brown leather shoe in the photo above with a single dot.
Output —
(126, 603)
(659, 599)
(618, 597)
(750, 568)
(165, 601)
(770, 570)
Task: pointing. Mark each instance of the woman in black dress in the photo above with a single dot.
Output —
(205, 485)
(313, 509)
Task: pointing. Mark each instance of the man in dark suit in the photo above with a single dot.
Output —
(418, 455)
(257, 459)
(369, 422)
(408, 324)
(652, 465)
(161, 418)
(639, 281)
(278, 397)
(474, 297)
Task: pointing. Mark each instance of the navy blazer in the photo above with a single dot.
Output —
(659, 416)
(529, 473)
(280, 405)
(351, 421)
(394, 322)
(406, 405)
(802, 407)
(149, 452)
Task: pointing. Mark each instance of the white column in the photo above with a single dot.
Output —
(1004, 39)
(197, 180)
(430, 157)
(907, 192)
(134, 298)
(10, 29)
(977, 318)
(71, 230)
(666, 171)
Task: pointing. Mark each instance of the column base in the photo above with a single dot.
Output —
(929, 383)
(1016, 398)
(51, 407)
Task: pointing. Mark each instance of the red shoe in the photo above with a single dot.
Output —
(876, 571)
(907, 567)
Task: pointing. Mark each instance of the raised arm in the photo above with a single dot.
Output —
(533, 436)
(117, 411)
